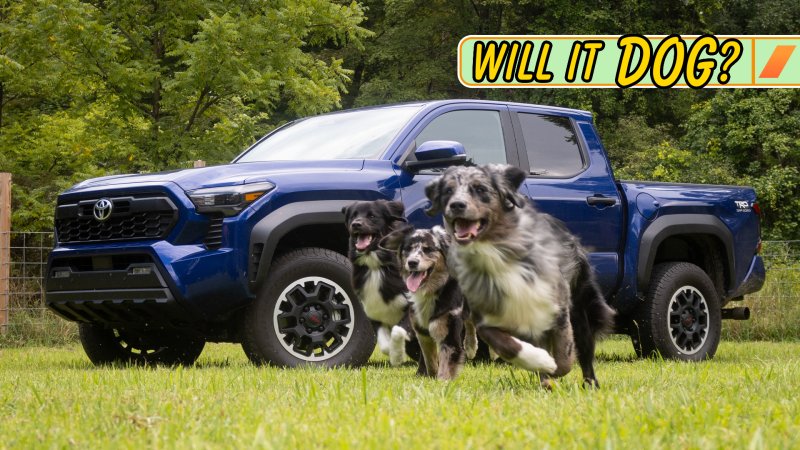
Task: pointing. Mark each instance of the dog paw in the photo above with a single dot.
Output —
(471, 352)
(396, 358)
(384, 339)
(399, 334)
(591, 383)
(534, 358)
(397, 346)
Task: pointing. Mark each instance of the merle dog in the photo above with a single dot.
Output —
(376, 277)
(526, 278)
(440, 317)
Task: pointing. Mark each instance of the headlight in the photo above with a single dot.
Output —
(228, 200)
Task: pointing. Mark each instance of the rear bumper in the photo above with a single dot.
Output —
(753, 281)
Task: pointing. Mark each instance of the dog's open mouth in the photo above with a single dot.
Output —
(363, 241)
(467, 230)
(415, 279)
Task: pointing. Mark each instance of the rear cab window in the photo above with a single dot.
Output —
(550, 145)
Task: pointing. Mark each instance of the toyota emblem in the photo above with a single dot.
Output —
(102, 209)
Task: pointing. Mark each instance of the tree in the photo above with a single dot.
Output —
(104, 86)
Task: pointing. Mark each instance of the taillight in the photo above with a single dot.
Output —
(758, 247)
(757, 209)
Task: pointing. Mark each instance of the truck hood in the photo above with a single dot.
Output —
(225, 175)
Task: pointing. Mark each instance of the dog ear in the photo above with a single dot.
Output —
(394, 240)
(434, 193)
(442, 236)
(393, 212)
(396, 211)
(510, 180)
(514, 176)
(346, 212)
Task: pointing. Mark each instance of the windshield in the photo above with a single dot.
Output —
(349, 135)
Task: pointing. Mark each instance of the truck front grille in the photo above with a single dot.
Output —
(140, 217)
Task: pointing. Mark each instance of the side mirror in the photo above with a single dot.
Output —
(437, 154)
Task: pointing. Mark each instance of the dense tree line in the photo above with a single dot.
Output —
(96, 87)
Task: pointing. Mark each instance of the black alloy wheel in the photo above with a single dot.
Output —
(681, 316)
(313, 318)
(307, 313)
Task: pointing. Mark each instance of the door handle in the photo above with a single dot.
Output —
(601, 200)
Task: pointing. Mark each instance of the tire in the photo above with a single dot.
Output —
(681, 317)
(307, 313)
(106, 346)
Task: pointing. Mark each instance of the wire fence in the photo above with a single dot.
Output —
(775, 309)
(23, 292)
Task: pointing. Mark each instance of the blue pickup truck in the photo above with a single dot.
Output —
(153, 266)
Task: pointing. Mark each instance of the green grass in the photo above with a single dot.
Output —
(744, 398)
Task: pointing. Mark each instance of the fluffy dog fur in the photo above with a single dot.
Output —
(376, 277)
(440, 316)
(526, 278)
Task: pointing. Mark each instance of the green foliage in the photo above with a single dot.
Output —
(89, 88)
(759, 133)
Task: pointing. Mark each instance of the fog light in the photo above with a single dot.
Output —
(61, 274)
(141, 271)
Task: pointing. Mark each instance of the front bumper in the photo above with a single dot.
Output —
(145, 285)
(117, 293)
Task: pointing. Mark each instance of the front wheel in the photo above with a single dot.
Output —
(681, 317)
(116, 346)
(307, 313)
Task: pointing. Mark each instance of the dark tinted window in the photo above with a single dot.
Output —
(551, 144)
(479, 132)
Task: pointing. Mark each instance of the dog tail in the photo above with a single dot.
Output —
(589, 298)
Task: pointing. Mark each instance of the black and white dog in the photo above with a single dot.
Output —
(440, 317)
(376, 276)
(526, 278)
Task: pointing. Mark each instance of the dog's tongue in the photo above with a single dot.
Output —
(414, 280)
(466, 228)
(363, 241)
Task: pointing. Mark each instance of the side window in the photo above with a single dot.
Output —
(479, 131)
(551, 144)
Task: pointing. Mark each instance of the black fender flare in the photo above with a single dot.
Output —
(676, 225)
(267, 233)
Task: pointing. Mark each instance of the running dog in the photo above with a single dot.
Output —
(376, 277)
(526, 278)
(440, 317)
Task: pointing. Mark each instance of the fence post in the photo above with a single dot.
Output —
(5, 248)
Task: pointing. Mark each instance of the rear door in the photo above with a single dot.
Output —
(572, 181)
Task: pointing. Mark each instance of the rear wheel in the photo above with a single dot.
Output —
(307, 313)
(114, 346)
(681, 317)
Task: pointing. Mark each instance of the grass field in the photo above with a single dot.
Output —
(745, 398)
